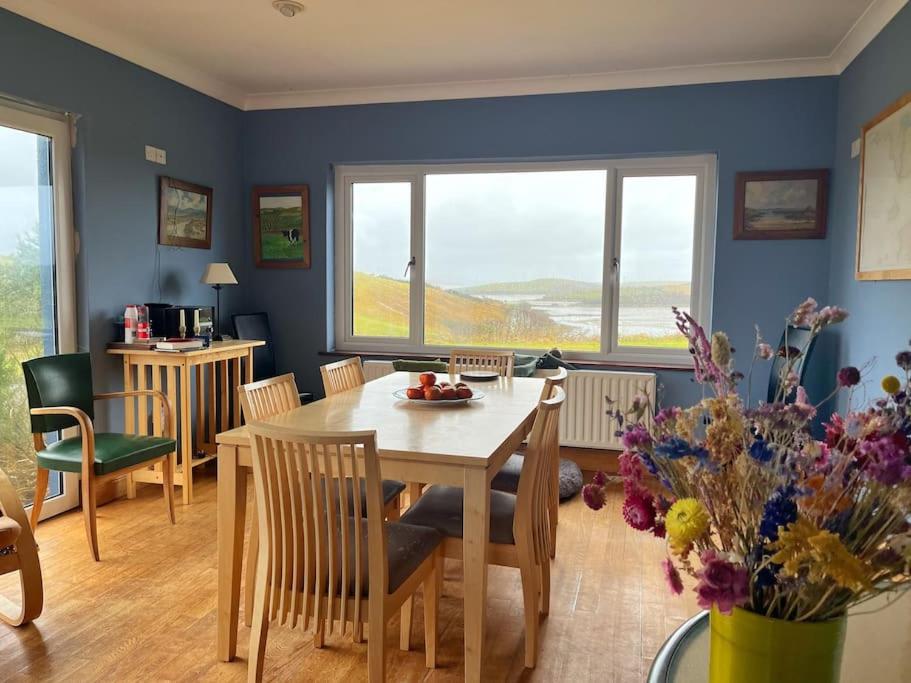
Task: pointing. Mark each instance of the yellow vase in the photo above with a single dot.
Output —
(751, 648)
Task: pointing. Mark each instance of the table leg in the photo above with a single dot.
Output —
(232, 510)
(186, 435)
(235, 385)
(129, 408)
(476, 534)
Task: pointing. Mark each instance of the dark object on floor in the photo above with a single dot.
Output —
(797, 338)
(256, 326)
(570, 479)
(552, 360)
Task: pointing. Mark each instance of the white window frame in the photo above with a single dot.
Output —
(57, 128)
(703, 167)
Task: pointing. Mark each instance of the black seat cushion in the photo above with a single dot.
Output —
(406, 547)
(507, 479)
(441, 508)
(391, 488)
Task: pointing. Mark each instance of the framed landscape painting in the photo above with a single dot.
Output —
(281, 226)
(884, 202)
(781, 205)
(184, 214)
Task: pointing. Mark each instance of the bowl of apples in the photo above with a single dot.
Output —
(431, 392)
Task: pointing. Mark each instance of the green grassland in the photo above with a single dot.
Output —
(454, 318)
(274, 246)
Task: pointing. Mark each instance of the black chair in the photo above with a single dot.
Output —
(256, 326)
(793, 341)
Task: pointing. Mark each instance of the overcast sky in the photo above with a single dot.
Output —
(18, 178)
(507, 227)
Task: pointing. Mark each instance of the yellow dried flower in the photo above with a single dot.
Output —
(721, 350)
(793, 549)
(891, 384)
(834, 560)
(724, 433)
(686, 522)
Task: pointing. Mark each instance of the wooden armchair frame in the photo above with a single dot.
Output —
(24, 559)
(501, 362)
(89, 480)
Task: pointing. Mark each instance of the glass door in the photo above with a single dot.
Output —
(37, 302)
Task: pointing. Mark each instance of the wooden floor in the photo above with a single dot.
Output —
(147, 611)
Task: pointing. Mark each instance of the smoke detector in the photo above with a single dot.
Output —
(288, 8)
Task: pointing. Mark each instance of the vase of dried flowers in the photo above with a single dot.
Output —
(751, 648)
(782, 532)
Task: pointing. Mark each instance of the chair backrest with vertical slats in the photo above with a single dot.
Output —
(531, 523)
(342, 376)
(313, 537)
(269, 397)
(501, 362)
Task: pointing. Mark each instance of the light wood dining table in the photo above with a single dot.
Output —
(455, 445)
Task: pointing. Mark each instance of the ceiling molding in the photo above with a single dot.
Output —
(617, 80)
(66, 21)
(865, 29)
(70, 23)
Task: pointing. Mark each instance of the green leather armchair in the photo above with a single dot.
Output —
(60, 396)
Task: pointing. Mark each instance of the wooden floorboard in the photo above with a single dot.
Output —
(146, 612)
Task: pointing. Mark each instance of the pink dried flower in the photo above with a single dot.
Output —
(672, 576)
(831, 315)
(805, 314)
(803, 401)
(636, 436)
(639, 511)
(721, 583)
(659, 530)
(600, 479)
(593, 496)
(848, 376)
(764, 351)
(666, 414)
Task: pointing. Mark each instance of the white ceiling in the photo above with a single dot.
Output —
(346, 51)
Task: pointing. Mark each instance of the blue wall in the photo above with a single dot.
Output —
(122, 108)
(751, 126)
(880, 323)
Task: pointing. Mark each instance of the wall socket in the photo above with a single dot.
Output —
(156, 155)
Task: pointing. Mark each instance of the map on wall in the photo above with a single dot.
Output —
(884, 228)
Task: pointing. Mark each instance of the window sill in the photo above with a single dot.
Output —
(583, 364)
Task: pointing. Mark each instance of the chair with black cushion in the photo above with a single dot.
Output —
(61, 396)
(519, 523)
(796, 345)
(507, 479)
(256, 326)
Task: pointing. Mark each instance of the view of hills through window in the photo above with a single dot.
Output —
(516, 259)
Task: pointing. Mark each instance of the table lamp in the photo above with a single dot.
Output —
(217, 274)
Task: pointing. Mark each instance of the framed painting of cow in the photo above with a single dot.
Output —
(281, 226)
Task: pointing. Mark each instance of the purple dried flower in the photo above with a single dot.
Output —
(593, 496)
(903, 359)
(848, 376)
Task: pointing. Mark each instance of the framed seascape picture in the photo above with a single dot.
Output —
(884, 201)
(184, 214)
(281, 226)
(781, 205)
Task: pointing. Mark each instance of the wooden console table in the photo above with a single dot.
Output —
(227, 362)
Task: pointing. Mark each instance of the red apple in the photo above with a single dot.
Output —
(432, 393)
(415, 392)
(449, 393)
(464, 392)
(428, 379)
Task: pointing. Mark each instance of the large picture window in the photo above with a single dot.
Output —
(585, 256)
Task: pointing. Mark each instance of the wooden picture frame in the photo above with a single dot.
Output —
(281, 226)
(184, 214)
(881, 197)
(781, 205)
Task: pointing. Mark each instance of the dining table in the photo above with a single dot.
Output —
(458, 445)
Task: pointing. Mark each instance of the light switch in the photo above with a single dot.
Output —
(156, 155)
(161, 156)
(150, 153)
(855, 148)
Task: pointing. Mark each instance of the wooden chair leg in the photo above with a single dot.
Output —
(376, 646)
(167, 476)
(414, 491)
(545, 587)
(530, 600)
(357, 632)
(260, 628)
(405, 619)
(41, 477)
(88, 512)
(252, 554)
(26, 555)
(433, 586)
(319, 633)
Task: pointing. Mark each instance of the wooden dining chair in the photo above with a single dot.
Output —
(501, 362)
(342, 375)
(507, 479)
(18, 553)
(320, 559)
(519, 523)
(60, 396)
(261, 400)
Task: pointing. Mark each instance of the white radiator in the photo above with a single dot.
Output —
(583, 421)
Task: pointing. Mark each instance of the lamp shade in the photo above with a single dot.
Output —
(218, 274)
